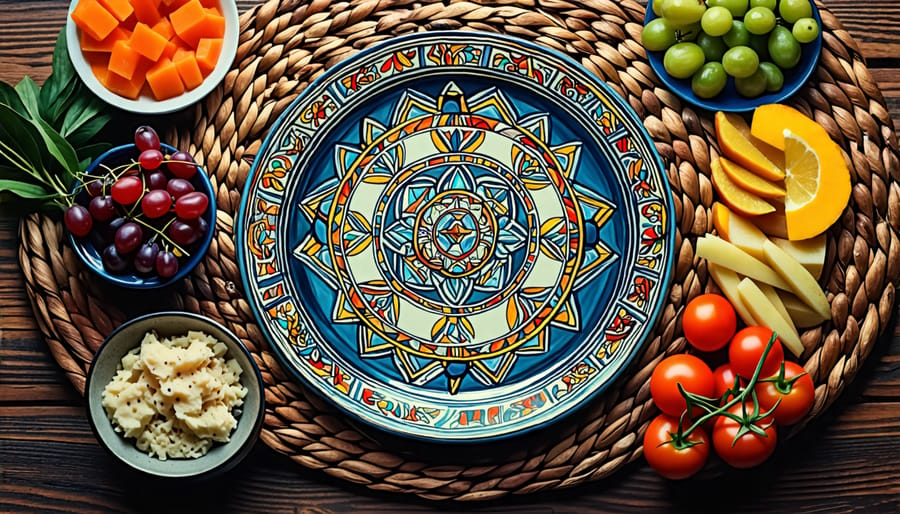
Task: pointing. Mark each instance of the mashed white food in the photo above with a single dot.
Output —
(175, 396)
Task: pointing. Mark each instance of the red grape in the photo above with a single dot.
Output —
(102, 208)
(127, 190)
(183, 232)
(179, 165)
(128, 237)
(178, 187)
(150, 159)
(166, 264)
(145, 258)
(145, 138)
(156, 180)
(191, 205)
(156, 203)
(113, 261)
(94, 187)
(78, 220)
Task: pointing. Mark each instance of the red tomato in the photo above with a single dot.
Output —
(747, 348)
(668, 458)
(709, 322)
(748, 450)
(796, 397)
(692, 373)
(723, 380)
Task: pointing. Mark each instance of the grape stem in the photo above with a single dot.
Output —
(163, 235)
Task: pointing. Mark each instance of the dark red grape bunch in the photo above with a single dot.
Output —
(142, 216)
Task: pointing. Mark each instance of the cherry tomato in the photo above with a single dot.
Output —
(723, 380)
(669, 459)
(796, 397)
(747, 348)
(709, 322)
(692, 373)
(750, 449)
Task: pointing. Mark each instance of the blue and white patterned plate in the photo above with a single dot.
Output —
(457, 236)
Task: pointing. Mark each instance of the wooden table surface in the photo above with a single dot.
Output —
(845, 461)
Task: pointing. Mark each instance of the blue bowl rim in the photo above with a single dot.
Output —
(260, 414)
(78, 244)
(682, 87)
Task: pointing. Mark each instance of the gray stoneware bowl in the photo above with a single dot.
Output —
(222, 456)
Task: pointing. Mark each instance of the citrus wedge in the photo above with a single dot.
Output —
(770, 120)
(738, 199)
(817, 183)
(773, 154)
(750, 181)
(738, 231)
(739, 148)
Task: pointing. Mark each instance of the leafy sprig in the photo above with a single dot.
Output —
(47, 135)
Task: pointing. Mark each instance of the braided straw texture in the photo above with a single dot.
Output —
(285, 44)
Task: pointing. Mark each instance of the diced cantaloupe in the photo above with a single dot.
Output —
(164, 80)
(146, 42)
(169, 52)
(125, 87)
(208, 53)
(188, 69)
(89, 44)
(215, 26)
(121, 9)
(94, 19)
(171, 5)
(189, 21)
(123, 59)
(164, 28)
(146, 11)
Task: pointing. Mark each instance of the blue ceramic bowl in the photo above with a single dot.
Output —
(92, 255)
(222, 456)
(729, 99)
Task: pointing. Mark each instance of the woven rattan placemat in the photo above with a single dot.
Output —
(287, 43)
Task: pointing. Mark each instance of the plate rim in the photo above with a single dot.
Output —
(652, 320)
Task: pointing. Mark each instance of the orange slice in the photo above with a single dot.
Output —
(738, 230)
(740, 149)
(737, 198)
(751, 181)
(770, 120)
(817, 183)
(773, 154)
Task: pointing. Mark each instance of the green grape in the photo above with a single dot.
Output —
(751, 86)
(737, 36)
(759, 20)
(713, 47)
(684, 12)
(740, 61)
(760, 44)
(737, 7)
(774, 77)
(768, 4)
(657, 7)
(658, 35)
(784, 50)
(716, 21)
(687, 32)
(793, 10)
(682, 60)
(709, 81)
(805, 30)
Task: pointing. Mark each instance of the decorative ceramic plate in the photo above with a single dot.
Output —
(457, 236)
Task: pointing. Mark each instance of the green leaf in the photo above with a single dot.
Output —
(61, 78)
(10, 97)
(88, 130)
(58, 147)
(29, 93)
(25, 190)
(90, 152)
(62, 65)
(76, 115)
(60, 104)
(19, 136)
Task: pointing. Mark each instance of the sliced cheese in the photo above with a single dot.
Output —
(718, 251)
(801, 314)
(772, 295)
(728, 280)
(768, 316)
(803, 284)
(809, 252)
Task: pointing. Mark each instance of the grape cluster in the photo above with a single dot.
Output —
(712, 40)
(143, 215)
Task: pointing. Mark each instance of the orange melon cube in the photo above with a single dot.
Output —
(164, 80)
(164, 28)
(169, 52)
(123, 59)
(146, 11)
(121, 9)
(208, 50)
(188, 69)
(189, 21)
(125, 87)
(212, 4)
(146, 42)
(214, 26)
(94, 19)
(89, 44)
(174, 4)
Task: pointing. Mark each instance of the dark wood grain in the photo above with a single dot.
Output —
(846, 461)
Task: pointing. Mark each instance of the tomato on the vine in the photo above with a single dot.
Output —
(723, 380)
(748, 444)
(669, 457)
(746, 350)
(692, 373)
(795, 389)
(709, 322)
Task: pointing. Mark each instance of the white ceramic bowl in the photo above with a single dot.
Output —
(146, 104)
(221, 457)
